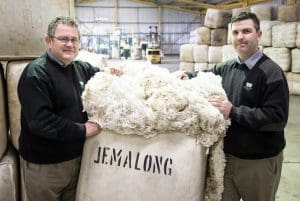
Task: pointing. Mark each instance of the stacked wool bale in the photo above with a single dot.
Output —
(8, 158)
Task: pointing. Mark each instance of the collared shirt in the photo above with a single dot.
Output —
(49, 53)
(251, 61)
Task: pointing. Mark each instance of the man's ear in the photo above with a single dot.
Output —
(48, 40)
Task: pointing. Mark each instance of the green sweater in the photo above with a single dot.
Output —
(260, 99)
(52, 117)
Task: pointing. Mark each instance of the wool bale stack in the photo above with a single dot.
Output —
(200, 36)
(13, 74)
(262, 11)
(187, 57)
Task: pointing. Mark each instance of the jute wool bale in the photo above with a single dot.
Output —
(186, 52)
(218, 37)
(266, 28)
(228, 52)
(200, 36)
(215, 54)
(298, 36)
(262, 11)
(201, 66)
(3, 114)
(187, 66)
(200, 53)
(295, 60)
(282, 56)
(216, 18)
(9, 185)
(287, 13)
(229, 34)
(13, 73)
(284, 35)
(211, 65)
(294, 83)
(238, 10)
(133, 168)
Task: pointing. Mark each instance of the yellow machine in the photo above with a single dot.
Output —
(153, 51)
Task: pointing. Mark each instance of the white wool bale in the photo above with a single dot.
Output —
(284, 35)
(262, 11)
(204, 35)
(294, 83)
(287, 13)
(187, 66)
(266, 28)
(201, 66)
(211, 65)
(229, 34)
(13, 74)
(96, 60)
(228, 52)
(235, 11)
(186, 52)
(200, 53)
(137, 167)
(215, 54)
(9, 186)
(298, 36)
(218, 37)
(3, 114)
(282, 56)
(295, 60)
(215, 18)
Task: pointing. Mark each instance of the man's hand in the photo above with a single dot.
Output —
(92, 128)
(222, 104)
(116, 71)
(181, 75)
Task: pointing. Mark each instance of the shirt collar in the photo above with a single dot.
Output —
(49, 53)
(251, 61)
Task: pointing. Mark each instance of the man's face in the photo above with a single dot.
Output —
(245, 38)
(64, 45)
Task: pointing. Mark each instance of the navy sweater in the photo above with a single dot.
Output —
(52, 117)
(260, 99)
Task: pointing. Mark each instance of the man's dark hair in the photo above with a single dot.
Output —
(65, 20)
(244, 16)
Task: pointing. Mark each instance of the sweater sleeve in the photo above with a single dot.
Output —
(37, 110)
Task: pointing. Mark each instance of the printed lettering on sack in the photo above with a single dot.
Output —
(134, 160)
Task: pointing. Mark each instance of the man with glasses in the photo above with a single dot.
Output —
(53, 124)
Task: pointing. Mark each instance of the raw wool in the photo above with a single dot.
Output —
(218, 37)
(200, 53)
(215, 18)
(3, 114)
(298, 36)
(287, 13)
(282, 56)
(294, 83)
(238, 10)
(159, 164)
(286, 38)
(263, 12)
(9, 186)
(187, 66)
(295, 60)
(214, 54)
(201, 66)
(228, 52)
(186, 53)
(266, 28)
(96, 60)
(13, 74)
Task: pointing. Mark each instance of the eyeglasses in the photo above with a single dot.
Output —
(65, 40)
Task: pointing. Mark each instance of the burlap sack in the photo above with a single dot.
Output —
(3, 114)
(9, 187)
(134, 168)
(13, 73)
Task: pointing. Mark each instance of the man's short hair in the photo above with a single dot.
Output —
(244, 16)
(65, 20)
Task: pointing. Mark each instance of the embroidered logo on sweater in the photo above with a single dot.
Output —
(248, 86)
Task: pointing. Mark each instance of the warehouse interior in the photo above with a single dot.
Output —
(177, 35)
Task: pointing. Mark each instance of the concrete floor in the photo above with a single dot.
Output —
(289, 188)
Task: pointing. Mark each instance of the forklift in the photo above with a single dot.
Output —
(153, 51)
